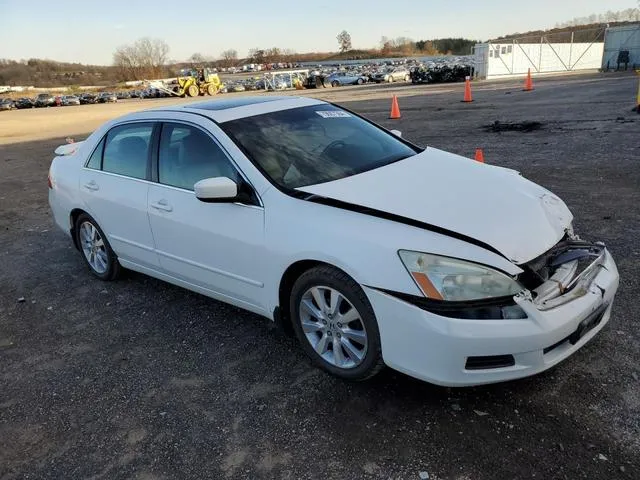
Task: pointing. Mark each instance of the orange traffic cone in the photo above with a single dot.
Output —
(467, 91)
(528, 82)
(479, 155)
(395, 109)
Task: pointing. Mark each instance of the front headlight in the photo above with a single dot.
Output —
(450, 279)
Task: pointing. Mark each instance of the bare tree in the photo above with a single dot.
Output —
(145, 57)
(344, 41)
(272, 55)
(229, 57)
(197, 59)
(256, 55)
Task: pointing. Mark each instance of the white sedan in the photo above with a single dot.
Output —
(372, 250)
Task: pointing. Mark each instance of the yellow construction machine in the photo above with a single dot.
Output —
(197, 81)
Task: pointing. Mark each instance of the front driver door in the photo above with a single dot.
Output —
(217, 247)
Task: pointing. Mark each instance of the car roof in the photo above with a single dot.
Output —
(228, 109)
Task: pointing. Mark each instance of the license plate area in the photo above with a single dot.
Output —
(588, 324)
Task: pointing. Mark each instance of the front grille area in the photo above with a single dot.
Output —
(559, 270)
(489, 362)
(542, 268)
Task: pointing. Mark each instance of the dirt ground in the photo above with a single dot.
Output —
(141, 379)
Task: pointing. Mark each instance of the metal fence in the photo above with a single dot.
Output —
(558, 52)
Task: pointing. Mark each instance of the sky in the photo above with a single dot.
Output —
(89, 31)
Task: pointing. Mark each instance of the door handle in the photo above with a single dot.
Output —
(92, 185)
(162, 205)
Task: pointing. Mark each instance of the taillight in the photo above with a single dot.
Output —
(49, 182)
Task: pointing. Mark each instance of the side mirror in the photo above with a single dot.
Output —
(397, 133)
(217, 189)
(225, 190)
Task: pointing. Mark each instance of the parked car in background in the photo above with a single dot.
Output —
(45, 100)
(338, 79)
(353, 258)
(399, 74)
(122, 95)
(24, 102)
(135, 94)
(68, 100)
(7, 104)
(88, 98)
(235, 87)
(107, 97)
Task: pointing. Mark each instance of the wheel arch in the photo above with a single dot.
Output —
(73, 216)
(288, 279)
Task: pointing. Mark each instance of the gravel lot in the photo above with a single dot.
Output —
(140, 379)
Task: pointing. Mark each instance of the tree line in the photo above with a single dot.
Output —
(628, 15)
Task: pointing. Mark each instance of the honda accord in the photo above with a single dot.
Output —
(372, 250)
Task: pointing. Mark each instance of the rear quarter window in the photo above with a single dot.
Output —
(95, 160)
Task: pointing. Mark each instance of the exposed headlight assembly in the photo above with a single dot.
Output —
(452, 280)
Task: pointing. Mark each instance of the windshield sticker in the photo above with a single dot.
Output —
(333, 114)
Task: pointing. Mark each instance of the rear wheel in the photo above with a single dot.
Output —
(335, 83)
(360, 81)
(97, 252)
(335, 324)
(193, 91)
(211, 89)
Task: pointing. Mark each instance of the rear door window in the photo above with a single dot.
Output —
(126, 150)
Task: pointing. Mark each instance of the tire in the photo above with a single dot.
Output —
(407, 78)
(85, 225)
(360, 81)
(358, 339)
(193, 91)
(211, 90)
(335, 84)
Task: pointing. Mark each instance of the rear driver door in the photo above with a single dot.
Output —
(114, 185)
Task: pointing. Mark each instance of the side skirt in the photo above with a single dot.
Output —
(195, 288)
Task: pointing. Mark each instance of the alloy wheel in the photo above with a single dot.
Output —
(333, 327)
(94, 248)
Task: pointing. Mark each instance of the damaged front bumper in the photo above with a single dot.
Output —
(463, 352)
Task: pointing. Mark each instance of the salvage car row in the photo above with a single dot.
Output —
(43, 100)
(322, 76)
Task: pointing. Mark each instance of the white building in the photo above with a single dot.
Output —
(515, 58)
(557, 53)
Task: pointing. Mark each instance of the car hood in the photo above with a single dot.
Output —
(490, 204)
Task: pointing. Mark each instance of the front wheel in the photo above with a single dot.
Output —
(193, 91)
(97, 252)
(335, 324)
(211, 89)
(335, 84)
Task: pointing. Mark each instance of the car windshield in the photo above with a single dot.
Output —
(310, 145)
